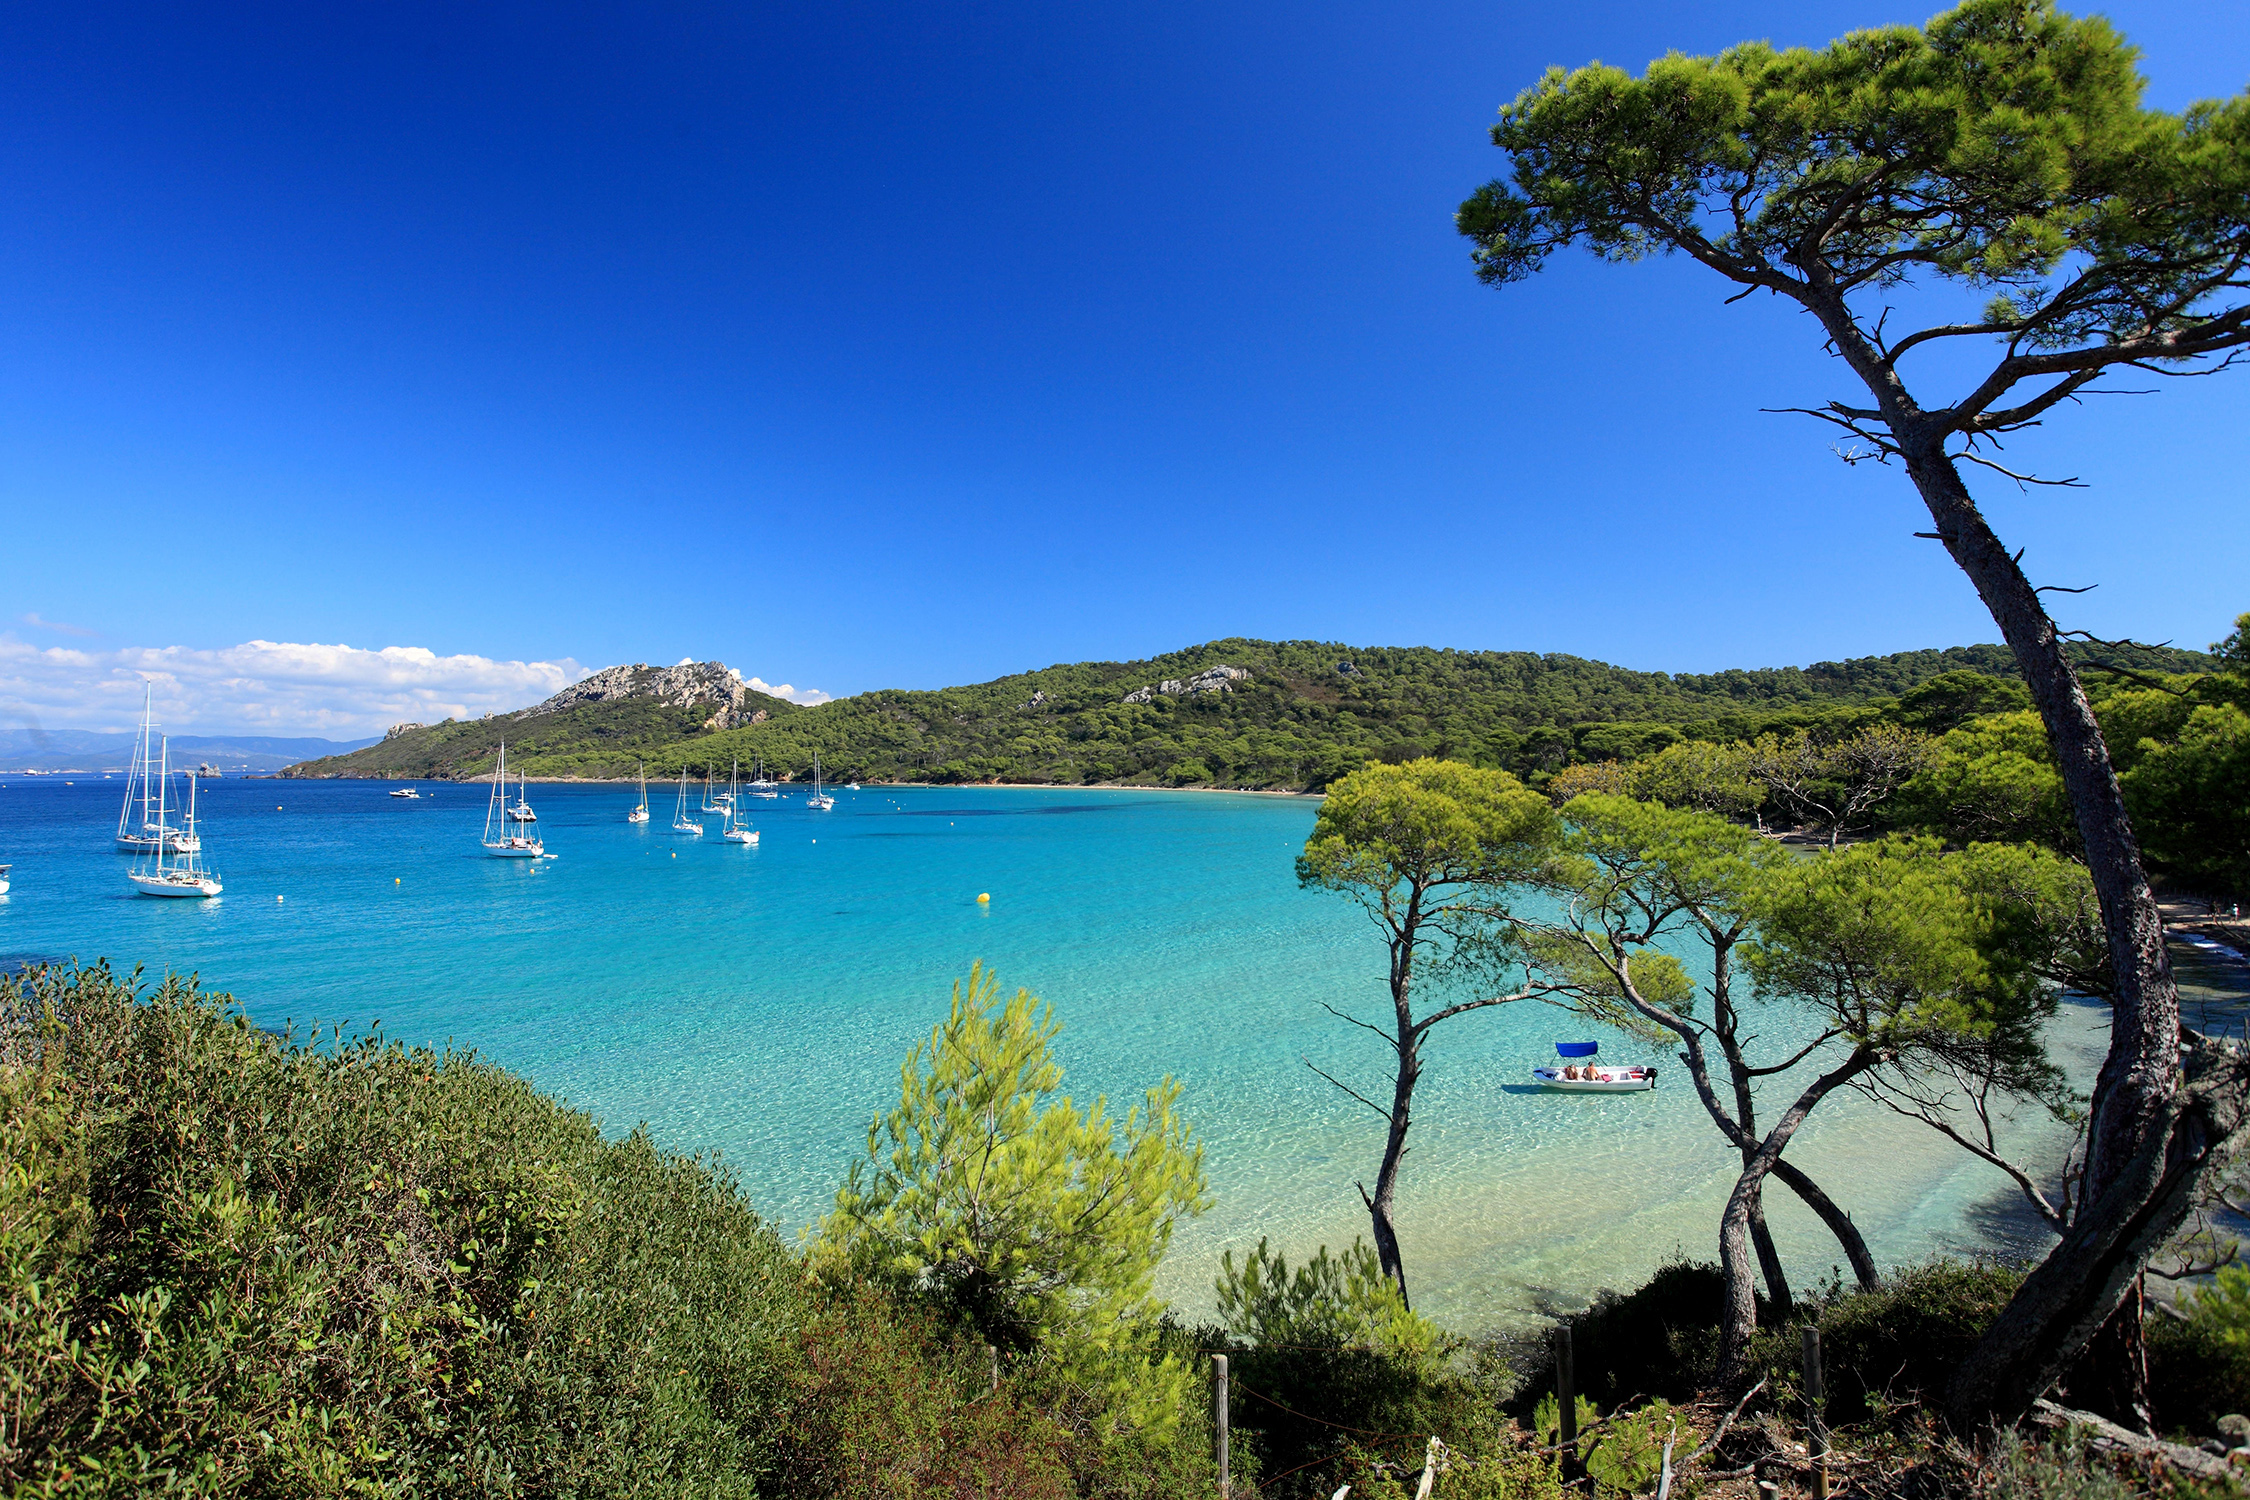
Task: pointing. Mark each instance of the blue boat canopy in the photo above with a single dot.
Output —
(1577, 1049)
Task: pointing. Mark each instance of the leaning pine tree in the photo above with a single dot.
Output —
(2001, 149)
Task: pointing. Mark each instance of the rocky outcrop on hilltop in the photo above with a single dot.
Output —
(691, 684)
(1219, 679)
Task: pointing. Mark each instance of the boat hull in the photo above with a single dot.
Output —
(740, 836)
(513, 851)
(637, 815)
(1551, 1078)
(177, 843)
(150, 885)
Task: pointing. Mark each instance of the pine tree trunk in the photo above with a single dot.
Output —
(2134, 1102)
(1386, 1178)
(1740, 1320)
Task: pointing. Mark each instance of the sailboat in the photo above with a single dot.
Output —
(640, 814)
(150, 834)
(4, 869)
(725, 800)
(761, 786)
(681, 822)
(182, 874)
(506, 836)
(522, 812)
(819, 801)
(735, 830)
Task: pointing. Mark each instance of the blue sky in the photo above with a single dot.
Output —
(866, 346)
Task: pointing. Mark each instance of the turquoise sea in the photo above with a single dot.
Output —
(756, 1002)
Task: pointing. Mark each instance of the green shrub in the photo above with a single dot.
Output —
(1328, 1352)
(1659, 1340)
(232, 1264)
(2199, 1369)
(1884, 1350)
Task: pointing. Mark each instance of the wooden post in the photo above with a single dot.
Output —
(1219, 1419)
(1816, 1425)
(1566, 1403)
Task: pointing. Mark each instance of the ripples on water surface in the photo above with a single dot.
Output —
(757, 1002)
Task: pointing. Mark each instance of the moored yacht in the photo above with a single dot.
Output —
(681, 822)
(819, 801)
(735, 830)
(507, 836)
(640, 814)
(149, 833)
(175, 872)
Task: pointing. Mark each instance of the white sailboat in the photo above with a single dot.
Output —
(175, 873)
(761, 786)
(640, 814)
(710, 804)
(507, 836)
(735, 830)
(4, 869)
(522, 812)
(819, 801)
(681, 822)
(149, 833)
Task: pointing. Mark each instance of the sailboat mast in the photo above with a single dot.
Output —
(164, 780)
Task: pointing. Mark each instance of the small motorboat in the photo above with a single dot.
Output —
(1578, 1073)
(409, 793)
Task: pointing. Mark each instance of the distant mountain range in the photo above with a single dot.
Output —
(233, 754)
(1236, 713)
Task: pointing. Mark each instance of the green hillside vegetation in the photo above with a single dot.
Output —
(1307, 713)
(592, 739)
(1964, 757)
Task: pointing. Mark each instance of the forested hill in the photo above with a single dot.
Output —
(1240, 713)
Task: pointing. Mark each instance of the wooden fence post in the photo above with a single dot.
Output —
(1566, 1403)
(1219, 1420)
(1816, 1424)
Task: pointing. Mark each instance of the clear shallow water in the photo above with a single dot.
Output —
(757, 1002)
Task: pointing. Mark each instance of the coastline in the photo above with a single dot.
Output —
(1018, 786)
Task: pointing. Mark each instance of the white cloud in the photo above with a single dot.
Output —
(806, 696)
(265, 687)
(57, 626)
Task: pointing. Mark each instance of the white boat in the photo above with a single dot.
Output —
(819, 801)
(640, 814)
(681, 822)
(522, 812)
(712, 804)
(735, 830)
(175, 873)
(851, 786)
(4, 869)
(408, 792)
(149, 832)
(762, 786)
(1580, 1074)
(506, 836)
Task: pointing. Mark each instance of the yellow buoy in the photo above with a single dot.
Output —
(983, 896)
(394, 880)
